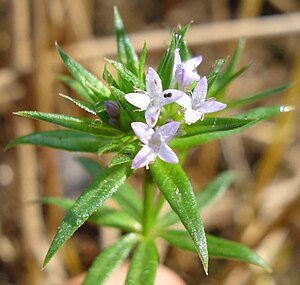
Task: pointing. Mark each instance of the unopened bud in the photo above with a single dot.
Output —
(112, 109)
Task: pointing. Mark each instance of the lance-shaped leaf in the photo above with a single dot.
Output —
(177, 189)
(81, 104)
(108, 260)
(126, 197)
(66, 140)
(89, 201)
(215, 72)
(204, 198)
(254, 116)
(125, 155)
(114, 145)
(126, 74)
(166, 65)
(128, 112)
(95, 89)
(94, 127)
(212, 129)
(219, 88)
(104, 216)
(217, 247)
(142, 64)
(75, 86)
(92, 167)
(257, 97)
(182, 45)
(107, 77)
(126, 53)
(143, 265)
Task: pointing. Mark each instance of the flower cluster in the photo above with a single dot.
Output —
(153, 100)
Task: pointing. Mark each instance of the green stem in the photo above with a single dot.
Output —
(148, 202)
(160, 201)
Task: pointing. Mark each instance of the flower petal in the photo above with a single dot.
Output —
(145, 156)
(191, 116)
(194, 62)
(183, 76)
(177, 58)
(167, 154)
(168, 131)
(185, 101)
(170, 95)
(200, 90)
(139, 100)
(152, 115)
(142, 131)
(211, 105)
(153, 83)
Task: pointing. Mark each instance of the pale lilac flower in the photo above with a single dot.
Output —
(185, 72)
(154, 98)
(197, 105)
(154, 143)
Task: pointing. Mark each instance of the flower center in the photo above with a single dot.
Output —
(155, 142)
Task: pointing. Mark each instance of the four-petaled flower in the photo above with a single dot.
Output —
(197, 105)
(154, 143)
(154, 98)
(185, 72)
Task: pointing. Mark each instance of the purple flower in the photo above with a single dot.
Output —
(185, 72)
(154, 98)
(154, 143)
(197, 105)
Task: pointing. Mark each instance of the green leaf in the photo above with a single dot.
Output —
(264, 113)
(215, 72)
(107, 76)
(126, 53)
(95, 89)
(91, 166)
(142, 64)
(64, 203)
(125, 155)
(177, 189)
(126, 197)
(94, 127)
(257, 97)
(230, 70)
(253, 116)
(75, 86)
(218, 90)
(114, 145)
(104, 216)
(108, 260)
(182, 45)
(128, 112)
(166, 66)
(210, 129)
(143, 265)
(66, 140)
(89, 201)
(83, 105)
(204, 198)
(129, 202)
(217, 247)
(214, 189)
(126, 74)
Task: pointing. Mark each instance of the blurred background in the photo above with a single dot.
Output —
(261, 209)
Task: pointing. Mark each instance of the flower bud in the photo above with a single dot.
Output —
(112, 109)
